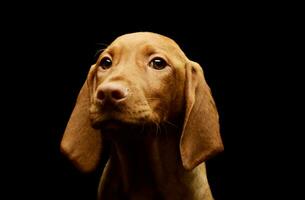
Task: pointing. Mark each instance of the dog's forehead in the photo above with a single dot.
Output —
(142, 37)
(149, 38)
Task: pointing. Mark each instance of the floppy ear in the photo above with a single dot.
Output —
(81, 143)
(200, 136)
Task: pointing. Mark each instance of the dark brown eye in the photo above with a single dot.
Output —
(105, 63)
(158, 63)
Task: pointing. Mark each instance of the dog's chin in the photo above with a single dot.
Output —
(114, 125)
(119, 121)
(111, 125)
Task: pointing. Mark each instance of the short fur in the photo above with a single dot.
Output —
(160, 125)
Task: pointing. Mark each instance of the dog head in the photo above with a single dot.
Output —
(143, 78)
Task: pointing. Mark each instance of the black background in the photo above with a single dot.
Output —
(49, 51)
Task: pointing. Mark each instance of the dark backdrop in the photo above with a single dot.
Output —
(50, 53)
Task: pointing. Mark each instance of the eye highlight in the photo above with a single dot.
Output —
(105, 63)
(158, 63)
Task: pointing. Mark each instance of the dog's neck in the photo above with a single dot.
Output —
(148, 161)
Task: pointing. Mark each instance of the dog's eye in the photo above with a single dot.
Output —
(158, 63)
(105, 63)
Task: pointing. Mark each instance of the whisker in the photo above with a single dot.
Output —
(165, 129)
(170, 123)
(151, 98)
(98, 52)
(142, 128)
(157, 129)
(102, 44)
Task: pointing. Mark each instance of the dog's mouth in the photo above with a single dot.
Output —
(117, 119)
(115, 123)
(111, 125)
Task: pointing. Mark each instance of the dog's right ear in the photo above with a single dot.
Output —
(81, 143)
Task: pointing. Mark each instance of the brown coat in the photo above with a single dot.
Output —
(147, 102)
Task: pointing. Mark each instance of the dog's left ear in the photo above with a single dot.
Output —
(201, 135)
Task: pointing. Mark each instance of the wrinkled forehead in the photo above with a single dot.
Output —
(134, 41)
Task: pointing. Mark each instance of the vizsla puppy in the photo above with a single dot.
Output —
(151, 107)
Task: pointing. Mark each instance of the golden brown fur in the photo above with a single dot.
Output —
(160, 124)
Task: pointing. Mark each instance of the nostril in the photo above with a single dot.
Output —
(101, 95)
(118, 94)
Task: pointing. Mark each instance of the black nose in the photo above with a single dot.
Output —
(112, 92)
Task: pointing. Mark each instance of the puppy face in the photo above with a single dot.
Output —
(138, 79)
(143, 78)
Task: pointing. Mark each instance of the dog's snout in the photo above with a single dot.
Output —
(112, 92)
